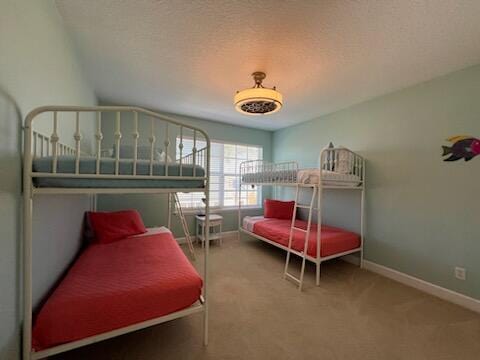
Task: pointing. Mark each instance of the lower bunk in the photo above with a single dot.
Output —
(118, 287)
(334, 242)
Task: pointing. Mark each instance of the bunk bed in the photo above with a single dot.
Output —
(338, 169)
(146, 279)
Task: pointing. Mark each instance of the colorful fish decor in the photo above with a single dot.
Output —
(463, 147)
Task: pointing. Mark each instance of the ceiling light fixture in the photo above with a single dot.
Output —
(258, 100)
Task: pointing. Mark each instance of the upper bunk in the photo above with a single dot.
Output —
(112, 149)
(339, 168)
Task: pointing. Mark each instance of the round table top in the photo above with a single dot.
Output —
(213, 217)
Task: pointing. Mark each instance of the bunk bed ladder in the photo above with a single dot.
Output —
(303, 255)
(178, 208)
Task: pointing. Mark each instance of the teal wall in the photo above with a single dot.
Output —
(38, 66)
(153, 208)
(423, 214)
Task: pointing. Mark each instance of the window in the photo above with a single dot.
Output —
(224, 175)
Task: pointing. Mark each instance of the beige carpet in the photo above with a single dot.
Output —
(255, 314)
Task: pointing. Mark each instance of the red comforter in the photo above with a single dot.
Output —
(333, 241)
(117, 284)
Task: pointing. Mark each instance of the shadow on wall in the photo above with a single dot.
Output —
(341, 208)
(10, 143)
(10, 210)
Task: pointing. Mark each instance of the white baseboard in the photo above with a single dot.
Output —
(352, 259)
(422, 285)
(182, 240)
(419, 284)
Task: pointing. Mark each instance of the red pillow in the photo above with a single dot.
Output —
(278, 209)
(111, 226)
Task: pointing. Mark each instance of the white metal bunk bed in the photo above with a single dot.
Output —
(51, 166)
(338, 169)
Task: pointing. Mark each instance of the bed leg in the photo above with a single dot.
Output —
(205, 327)
(27, 274)
(318, 273)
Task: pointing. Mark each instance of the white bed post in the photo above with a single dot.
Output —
(27, 241)
(94, 202)
(54, 140)
(169, 211)
(319, 233)
(118, 138)
(98, 155)
(152, 139)
(27, 271)
(362, 214)
(319, 219)
(207, 243)
(78, 138)
(135, 136)
(194, 154)
(180, 148)
(166, 143)
(99, 138)
(240, 200)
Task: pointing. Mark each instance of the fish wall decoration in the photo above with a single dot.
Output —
(463, 147)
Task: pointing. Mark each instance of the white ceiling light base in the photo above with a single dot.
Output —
(258, 100)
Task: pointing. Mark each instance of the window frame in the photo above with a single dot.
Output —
(221, 191)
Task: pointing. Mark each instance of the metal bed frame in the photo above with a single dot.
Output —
(262, 173)
(39, 145)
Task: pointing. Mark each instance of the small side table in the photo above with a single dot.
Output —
(215, 230)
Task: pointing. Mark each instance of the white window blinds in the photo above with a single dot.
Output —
(224, 175)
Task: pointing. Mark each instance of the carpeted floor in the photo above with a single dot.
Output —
(255, 314)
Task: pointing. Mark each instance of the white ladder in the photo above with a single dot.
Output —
(303, 253)
(178, 208)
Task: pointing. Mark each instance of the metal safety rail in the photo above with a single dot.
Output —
(55, 146)
(260, 172)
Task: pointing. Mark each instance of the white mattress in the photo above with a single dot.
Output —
(154, 231)
(250, 221)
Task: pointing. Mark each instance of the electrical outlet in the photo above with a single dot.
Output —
(460, 273)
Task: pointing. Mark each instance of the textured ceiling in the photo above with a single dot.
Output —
(189, 57)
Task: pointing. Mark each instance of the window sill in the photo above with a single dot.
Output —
(220, 210)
